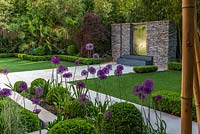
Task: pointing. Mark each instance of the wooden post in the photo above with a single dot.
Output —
(187, 65)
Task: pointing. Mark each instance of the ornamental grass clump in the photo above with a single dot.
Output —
(13, 118)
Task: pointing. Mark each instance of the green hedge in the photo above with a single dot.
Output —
(86, 61)
(73, 126)
(175, 66)
(33, 58)
(145, 69)
(6, 55)
(171, 103)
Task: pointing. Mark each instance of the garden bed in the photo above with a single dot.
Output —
(21, 119)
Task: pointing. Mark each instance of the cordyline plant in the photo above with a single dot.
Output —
(143, 92)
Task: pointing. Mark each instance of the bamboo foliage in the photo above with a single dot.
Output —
(188, 11)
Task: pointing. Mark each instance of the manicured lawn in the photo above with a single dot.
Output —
(16, 65)
(167, 80)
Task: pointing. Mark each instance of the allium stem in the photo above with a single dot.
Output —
(120, 94)
(10, 84)
(24, 101)
(74, 73)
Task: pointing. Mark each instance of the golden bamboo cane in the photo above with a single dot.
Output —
(196, 73)
(196, 90)
(188, 7)
(197, 49)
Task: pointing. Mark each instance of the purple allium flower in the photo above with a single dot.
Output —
(106, 70)
(108, 115)
(158, 98)
(76, 62)
(5, 92)
(61, 69)
(23, 86)
(36, 101)
(101, 74)
(39, 91)
(67, 75)
(118, 72)
(96, 56)
(120, 67)
(148, 82)
(55, 60)
(92, 70)
(89, 46)
(4, 71)
(136, 90)
(84, 73)
(36, 111)
(83, 99)
(80, 85)
(146, 90)
(109, 66)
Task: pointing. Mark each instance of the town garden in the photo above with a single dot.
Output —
(78, 87)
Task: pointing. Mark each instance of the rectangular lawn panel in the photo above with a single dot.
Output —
(17, 65)
(165, 80)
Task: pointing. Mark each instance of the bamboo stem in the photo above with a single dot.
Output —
(196, 90)
(196, 73)
(197, 48)
(188, 7)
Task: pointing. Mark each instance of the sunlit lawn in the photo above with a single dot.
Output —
(16, 65)
(169, 81)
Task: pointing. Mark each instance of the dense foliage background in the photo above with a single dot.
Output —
(49, 26)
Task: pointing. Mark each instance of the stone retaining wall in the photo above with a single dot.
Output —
(161, 41)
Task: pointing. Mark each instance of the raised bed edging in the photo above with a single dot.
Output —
(45, 116)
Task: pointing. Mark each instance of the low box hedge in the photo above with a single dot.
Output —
(6, 55)
(171, 103)
(175, 66)
(86, 61)
(145, 69)
(69, 58)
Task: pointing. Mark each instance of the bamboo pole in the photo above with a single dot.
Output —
(196, 90)
(197, 47)
(196, 73)
(187, 65)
